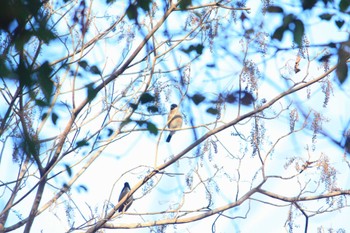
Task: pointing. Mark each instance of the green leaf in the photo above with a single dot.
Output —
(231, 98)
(45, 34)
(308, 4)
(184, 4)
(278, 34)
(247, 98)
(44, 116)
(326, 16)
(197, 98)
(23, 73)
(125, 122)
(83, 64)
(4, 69)
(344, 5)
(54, 118)
(146, 98)
(140, 123)
(152, 109)
(212, 111)
(274, 9)
(31, 146)
(95, 70)
(46, 84)
(339, 23)
(298, 32)
(342, 72)
(144, 4)
(133, 106)
(325, 58)
(197, 48)
(23, 39)
(91, 92)
(288, 19)
(110, 132)
(347, 144)
(68, 169)
(82, 143)
(41, 103)
(332, 45)
(326, 1)
(212, 65)
(82, 187)
(342, 67)
(131, 12)
(152, 128)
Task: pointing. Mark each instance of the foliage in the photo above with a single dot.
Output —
(86, 88)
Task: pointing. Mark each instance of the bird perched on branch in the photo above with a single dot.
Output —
(174, 120)
(126, 189)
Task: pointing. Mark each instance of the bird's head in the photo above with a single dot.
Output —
(173, 106)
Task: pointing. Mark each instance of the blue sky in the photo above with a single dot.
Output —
(130, 158)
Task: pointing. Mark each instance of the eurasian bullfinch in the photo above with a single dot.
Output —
(129, 201)
(174, 120)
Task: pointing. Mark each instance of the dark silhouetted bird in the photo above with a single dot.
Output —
(126, 189)
(174, 120)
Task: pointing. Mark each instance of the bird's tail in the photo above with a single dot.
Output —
(169, 137)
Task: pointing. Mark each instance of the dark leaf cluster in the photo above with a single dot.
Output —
(291, 22)
(133, 9)
(20, 23)
(198, 48)
(243, 97)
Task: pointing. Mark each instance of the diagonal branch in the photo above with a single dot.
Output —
(307, 198)
(291, 90)
(180, 220)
